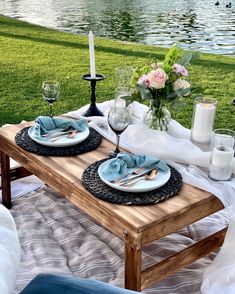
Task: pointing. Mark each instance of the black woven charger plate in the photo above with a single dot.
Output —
(99, 189)
(90, 143)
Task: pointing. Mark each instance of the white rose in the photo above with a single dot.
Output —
(181, 84)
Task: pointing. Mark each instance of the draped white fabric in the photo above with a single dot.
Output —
(176, 148)
(9, 251)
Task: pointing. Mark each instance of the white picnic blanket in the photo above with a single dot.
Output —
(176, 148)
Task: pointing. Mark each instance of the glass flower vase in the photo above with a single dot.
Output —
(157, 118)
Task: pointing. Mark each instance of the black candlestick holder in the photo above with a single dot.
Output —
(93, 110)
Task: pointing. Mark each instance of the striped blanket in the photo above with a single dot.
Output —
(56, 237)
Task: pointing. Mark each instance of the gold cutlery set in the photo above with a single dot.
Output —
(139, 175)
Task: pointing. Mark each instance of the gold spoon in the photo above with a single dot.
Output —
(150, 176)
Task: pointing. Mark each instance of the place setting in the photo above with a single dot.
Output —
(130, 179)
(56, 136)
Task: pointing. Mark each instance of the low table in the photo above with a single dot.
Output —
(135, 225)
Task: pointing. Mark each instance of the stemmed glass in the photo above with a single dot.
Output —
(118, 119)
(50, 91)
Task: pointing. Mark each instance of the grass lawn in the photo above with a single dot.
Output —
(30, 54)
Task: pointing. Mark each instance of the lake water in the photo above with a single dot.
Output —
(194, 24)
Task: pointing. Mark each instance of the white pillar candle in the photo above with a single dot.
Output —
(92, 55)
(203, 122)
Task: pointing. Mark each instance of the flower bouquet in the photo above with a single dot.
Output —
(161, 84)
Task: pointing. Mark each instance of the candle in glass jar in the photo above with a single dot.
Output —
(92, 55)
(222, 156)
(221, 163)
(203, 122)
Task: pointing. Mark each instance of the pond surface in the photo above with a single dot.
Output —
(194, 24)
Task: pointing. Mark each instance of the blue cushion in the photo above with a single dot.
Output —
(60, 284)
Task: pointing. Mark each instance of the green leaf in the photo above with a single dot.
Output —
(185, 59)
(172, 95)
(182, 92)
(145, 93)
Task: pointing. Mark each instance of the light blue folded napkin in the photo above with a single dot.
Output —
(119, 166)
(45, 124)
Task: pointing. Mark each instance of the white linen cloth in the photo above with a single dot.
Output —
(175, 147)
(9, 251)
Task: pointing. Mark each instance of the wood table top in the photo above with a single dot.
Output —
(65, 173)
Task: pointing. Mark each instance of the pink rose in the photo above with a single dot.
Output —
(157, 78)
(143, 81)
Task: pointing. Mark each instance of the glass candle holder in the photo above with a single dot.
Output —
(203, 121)
(221, 162)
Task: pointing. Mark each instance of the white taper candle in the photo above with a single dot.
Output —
(92, 55)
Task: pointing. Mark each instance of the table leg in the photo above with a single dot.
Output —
(132, 268)
(5, 179)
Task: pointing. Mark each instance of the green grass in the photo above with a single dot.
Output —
(30, 54)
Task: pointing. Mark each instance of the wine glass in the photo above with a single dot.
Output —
(118, 119)
(51, 91)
